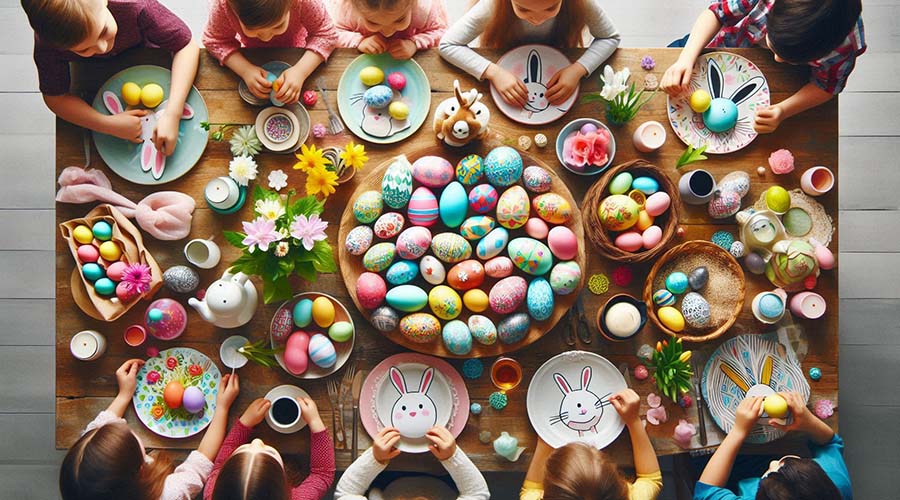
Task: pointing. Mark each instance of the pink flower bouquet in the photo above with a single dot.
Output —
(583, 150)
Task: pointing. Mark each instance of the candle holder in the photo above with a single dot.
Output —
(87, 345)
(649, 137)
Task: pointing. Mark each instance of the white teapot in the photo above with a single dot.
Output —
(229, 302)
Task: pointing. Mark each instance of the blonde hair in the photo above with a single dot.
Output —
(59, 23)
(578, 471)
(501, 32)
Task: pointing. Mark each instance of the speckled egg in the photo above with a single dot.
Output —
(695, 310)
(677, 283)
(181, 279)
(423, 207)
(537, 179)
(432, 270)
(444, 302)
(453, 204)
(420, 327)
(282, 324)
(553, 208)
(385, 319)
(513, 328)
(621, 183)
(646, 185)
(402, 272)
(483, 198)
(565, 277)
(618, 212)
(470, 170)
(302, 313)
(370, 290)
(663, 297)
(457, 338)
(476, 227)
(432, 171)
(451, 247)
(513, 208)
(413, 242)
(396, 185)
(378, 97)
(737, 181)
(492, 244)
(476, 300)
(536, 228)
(671, 318)
(466, 275)
(389, 225)
(406, 298)
(321, 351)
(503, 166)
(482, 329)
(539, 299)
(368, 207)
(358, 240)
(507, 294)
(530, 255)
(499, 267)
(379, 257)
(724, 204)
(563, 243)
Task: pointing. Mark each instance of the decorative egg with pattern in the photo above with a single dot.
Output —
(492, 244)
(396, 185)
(530, 255)
(370, 290)
(537, 179)
(385, 319)
(482, 329)
(513, 208)
(413, 242)
(470, 170)
(420, 327)
(358, 240)
(466, 275)
(695, 310)
(402, 272)
(513, 328)
(503, 166)
(483, 198)
(451, 248)
(379, 257)
(432, 270)
(508, 294)
(423, 207)
(321, 351)
(445, 303)
(367, 207)
(565, 277)
(553, 208)
(663, 297)
(389, 225)
(539, 299)
(476, 227)
(499, 267)
(433, 171)
(457, 338)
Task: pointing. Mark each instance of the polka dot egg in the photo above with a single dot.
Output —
(378, 97)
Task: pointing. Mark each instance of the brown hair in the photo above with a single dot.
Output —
(251, 475)
(58, 23)
(577, 471)
(501, 32)
(374, 5)
(108, 463)
(260, 13)
(798, 479)
(805, 30)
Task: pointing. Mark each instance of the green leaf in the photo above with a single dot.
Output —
(286, 266)
(235, 238)
(592, 97)
(276, 289)
(691, 155)
(306, 270)
(307, 205)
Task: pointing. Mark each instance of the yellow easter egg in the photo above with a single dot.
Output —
(110, 251)
(671, 318)
(775, 406)
(476, 300)
(644, 221)
(83, 235)
(151, 95)
(131, 93)
(398, 110)
(700, 101)
(371, 75)
(323, 312)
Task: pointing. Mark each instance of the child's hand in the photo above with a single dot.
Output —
(443, 444)
(310, 414)
(510, 88)
(402, 49)
(289, 85)
(801, 418)
(256, 81)
(747, 414)
(677, 78)
(126, 125)
(126, 376)
(255, 413)
(229, 388)
(374, 44)
(768, 119)
(628, 405)
(564, 83)
(165, 136)
(383, 446)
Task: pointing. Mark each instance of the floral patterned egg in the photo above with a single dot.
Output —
(724, 204)
(492, 244)
(503, 166)
(513, 328)
(466, 275)
(530, 255)
(483, 198)
(565, 277)
(379, 257)
(389, 225)
(457, 338)
(553, 208)
(695, 310)
(737, 181)
(451, 247)
(482, 329)
(368, 207)
(507, 294)
(413, 242)
(423, 207)
(470, 170)
(433, 171)
(282, 324)
(444, 302)
(513, 208)
(402, 272)
(432, 270)
(498, 267)
(539, 299)
(385, 319)
(420, 327)
(358, 240)
(396, 185)
(536, 179)
(370, 290)
(476, 227)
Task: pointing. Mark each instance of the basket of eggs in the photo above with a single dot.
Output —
(631, 213)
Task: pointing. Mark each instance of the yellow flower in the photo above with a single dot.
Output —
(319, 180)
(354, 155)
(310, 158)
(685, 356)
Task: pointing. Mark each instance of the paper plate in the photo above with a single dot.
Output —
(568, 400)
(123, 157)
(176, 423)
(736, 72)
(447, 392)
(291, 391)
(755, 365)
(282, 124)
(535, 65)
(375, 125)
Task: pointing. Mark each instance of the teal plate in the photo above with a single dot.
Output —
(123, 157)
(365, 122)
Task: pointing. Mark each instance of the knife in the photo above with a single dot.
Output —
(701, 403)
(584, 331)
(355, 390)
(623, 367)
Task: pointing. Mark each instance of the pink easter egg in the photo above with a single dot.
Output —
(507, 295)
(413, 242)
(498, 267)
(483, 198)
(630, 241)
(433, 171)
(397, 81)
(88, 253)
(370, 290)
(115, 270)
(657, 203)
(423, 207)
(563, 243)
(536, 228)
(126, 293)
(651, 237)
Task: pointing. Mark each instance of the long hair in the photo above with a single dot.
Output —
(500, 32)
(260, 13)
(250, 476)
(805, 30)
(108, 463)
(577, 471)
(798, 479)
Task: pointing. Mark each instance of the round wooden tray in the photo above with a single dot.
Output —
(351, 265)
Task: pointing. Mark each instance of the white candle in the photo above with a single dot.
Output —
(808, 305)
(87, 345)
(222, 192)
(649, 137)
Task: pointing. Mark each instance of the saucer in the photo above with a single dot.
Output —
(291, 391)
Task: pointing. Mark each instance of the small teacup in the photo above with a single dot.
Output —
(697, 187)
(817, 181)
(222, 193)
(284, 413)
(204, 254)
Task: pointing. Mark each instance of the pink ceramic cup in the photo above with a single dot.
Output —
(817, 181)
(808, 305)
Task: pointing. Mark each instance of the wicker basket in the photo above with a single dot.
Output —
(715, 256)
(602, 238)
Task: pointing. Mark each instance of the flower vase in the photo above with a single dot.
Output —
(610, 117)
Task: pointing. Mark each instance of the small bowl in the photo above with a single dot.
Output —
(574, 126)
(615, 299)
(300, 126)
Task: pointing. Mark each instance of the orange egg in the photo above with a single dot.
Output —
(173, 394)
(645, 220)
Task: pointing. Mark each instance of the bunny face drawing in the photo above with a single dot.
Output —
(378, 122)
(414, 412)
(580, 409)
(537, 91)
(722, 114)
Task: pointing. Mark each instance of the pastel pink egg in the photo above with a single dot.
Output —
(115, 270)
(657, 203)
(370, 290)
(498, 267)
(651, 237)
(126, 293)
(563, 243)
(423, 207)
(88, 253)
(630, 241)
(536, 228)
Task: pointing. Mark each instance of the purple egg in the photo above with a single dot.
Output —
(587, 128)
(193, 399)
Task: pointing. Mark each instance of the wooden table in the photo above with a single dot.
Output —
(83, 389)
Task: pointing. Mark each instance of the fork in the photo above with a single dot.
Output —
(345, 396)
(333, 396)
(334, 120)
(698, 361)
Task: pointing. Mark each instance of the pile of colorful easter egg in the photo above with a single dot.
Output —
(99, 260)
(695, 310)
(631, 210)
(475, 251)
(382, 92)
(308, 329)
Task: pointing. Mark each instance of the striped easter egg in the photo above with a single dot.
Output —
(663, 298)
(321, 351)
(423, 207)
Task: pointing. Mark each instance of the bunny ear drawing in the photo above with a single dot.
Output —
(714, 78)
(747, 90)
(562, 383)
(397, 380)
(585, 377)
(112, 103)
(533, 67)
(427, 378)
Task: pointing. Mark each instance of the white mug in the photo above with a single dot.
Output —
(291, 404)
(204, 254)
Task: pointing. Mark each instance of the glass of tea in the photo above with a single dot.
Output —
(506, 373)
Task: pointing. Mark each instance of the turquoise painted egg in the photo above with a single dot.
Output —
(508, 294)
(677, 283)
(321, 351)
(451, 247)
(432, 171)
(406, 298)
(445, 303)
(432, 270)
(470, 170)
(92, 271)
(492, 244)
(385, 319)
(565, 277)
(358, 240)
(466, 275)
(476, 227)
(102, 230)
(539, 299)
(513, 328)
(378, 97)
(389, 225)
(368, 207)
(621, 183)
(453, 204)
(646, 185)
(457, 338)
(513, 208)
(483, 198)
(423, 207)
(553, 208)
(105, 286)
(402, 272)
(303, 313)
(537, 179)
(413, 242)
(420, 327)
(695, 310)
(379, 257)
(482, 329)
(530, 255)
(396, 185)
(721, 116)
(370, 290)
(771, 306)
(663, 298)
(498, 267)
(503, 166)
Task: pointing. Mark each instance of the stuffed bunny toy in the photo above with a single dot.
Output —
(414, 412)
(580, 409)
(461, 119)
(537, 91)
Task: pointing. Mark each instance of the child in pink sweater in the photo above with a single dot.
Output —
(399, 27)
(305, 24)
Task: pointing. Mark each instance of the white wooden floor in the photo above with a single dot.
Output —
(869, 262)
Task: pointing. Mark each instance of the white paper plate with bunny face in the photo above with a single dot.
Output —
(535, 65)
(568, 400)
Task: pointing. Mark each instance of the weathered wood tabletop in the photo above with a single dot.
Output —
(85, 388)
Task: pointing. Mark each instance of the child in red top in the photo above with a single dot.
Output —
(305, 24)
(399, 27)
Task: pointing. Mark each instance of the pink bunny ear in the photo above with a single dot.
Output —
(159, 164)
(187, 112)
(427, 378)
(112, 103)
(397, 380)
(562, 383)
(585, 377)
(147, 150)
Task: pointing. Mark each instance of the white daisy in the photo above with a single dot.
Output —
(242, 169)
(282, 249)
(270, 209)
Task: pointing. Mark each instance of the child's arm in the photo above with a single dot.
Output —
(291, 81)
(184, 69)
(537, 469)
(321, 455)
(356, 480)
(73, 109)
(239, 434)
(429, 34)
(677, 78)
(229, 388)
(809, 96)
(628, 405)
(719, 467)
(465, 475)
(126, 376)
(320, 42)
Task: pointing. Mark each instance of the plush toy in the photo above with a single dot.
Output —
(461, 119)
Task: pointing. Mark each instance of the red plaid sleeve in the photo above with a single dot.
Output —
(729, 12)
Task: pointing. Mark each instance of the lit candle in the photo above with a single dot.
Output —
(649, 137)
(87, 345)
(222, 193)
(808, 305)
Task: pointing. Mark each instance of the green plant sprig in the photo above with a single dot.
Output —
(691, 155)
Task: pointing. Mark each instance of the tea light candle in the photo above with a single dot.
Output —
(87, 345)
(808, 305)
(649, 137)
(222, 192)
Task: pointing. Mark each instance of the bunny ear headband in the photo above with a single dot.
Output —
(165, 215)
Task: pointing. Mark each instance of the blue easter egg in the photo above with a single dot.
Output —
(402, 272)
(663, 298)
(92, 271)
(513, 328)
(539, 299)
(102, 230)
(677, 283)
(815, 373)
(378, 97)
(646, 185)
(321, 351)
(105, 286)
(721, 116)
(771, 305)
(503, 166)
(303, 313)
(453, 204)
(457, 338)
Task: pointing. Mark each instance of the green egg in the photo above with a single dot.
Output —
(341, 331)
(621, 183)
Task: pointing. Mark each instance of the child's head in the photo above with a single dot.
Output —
(86, 27)
(567, 32)
(578, 471)
(800, 31)
(262, 19)
(385, 16)
(795, 478)
(109, 462)
(254, 470)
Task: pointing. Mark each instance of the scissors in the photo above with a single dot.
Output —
(578, 323)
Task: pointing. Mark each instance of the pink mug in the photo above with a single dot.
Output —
(817, 181)
(808, 305)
